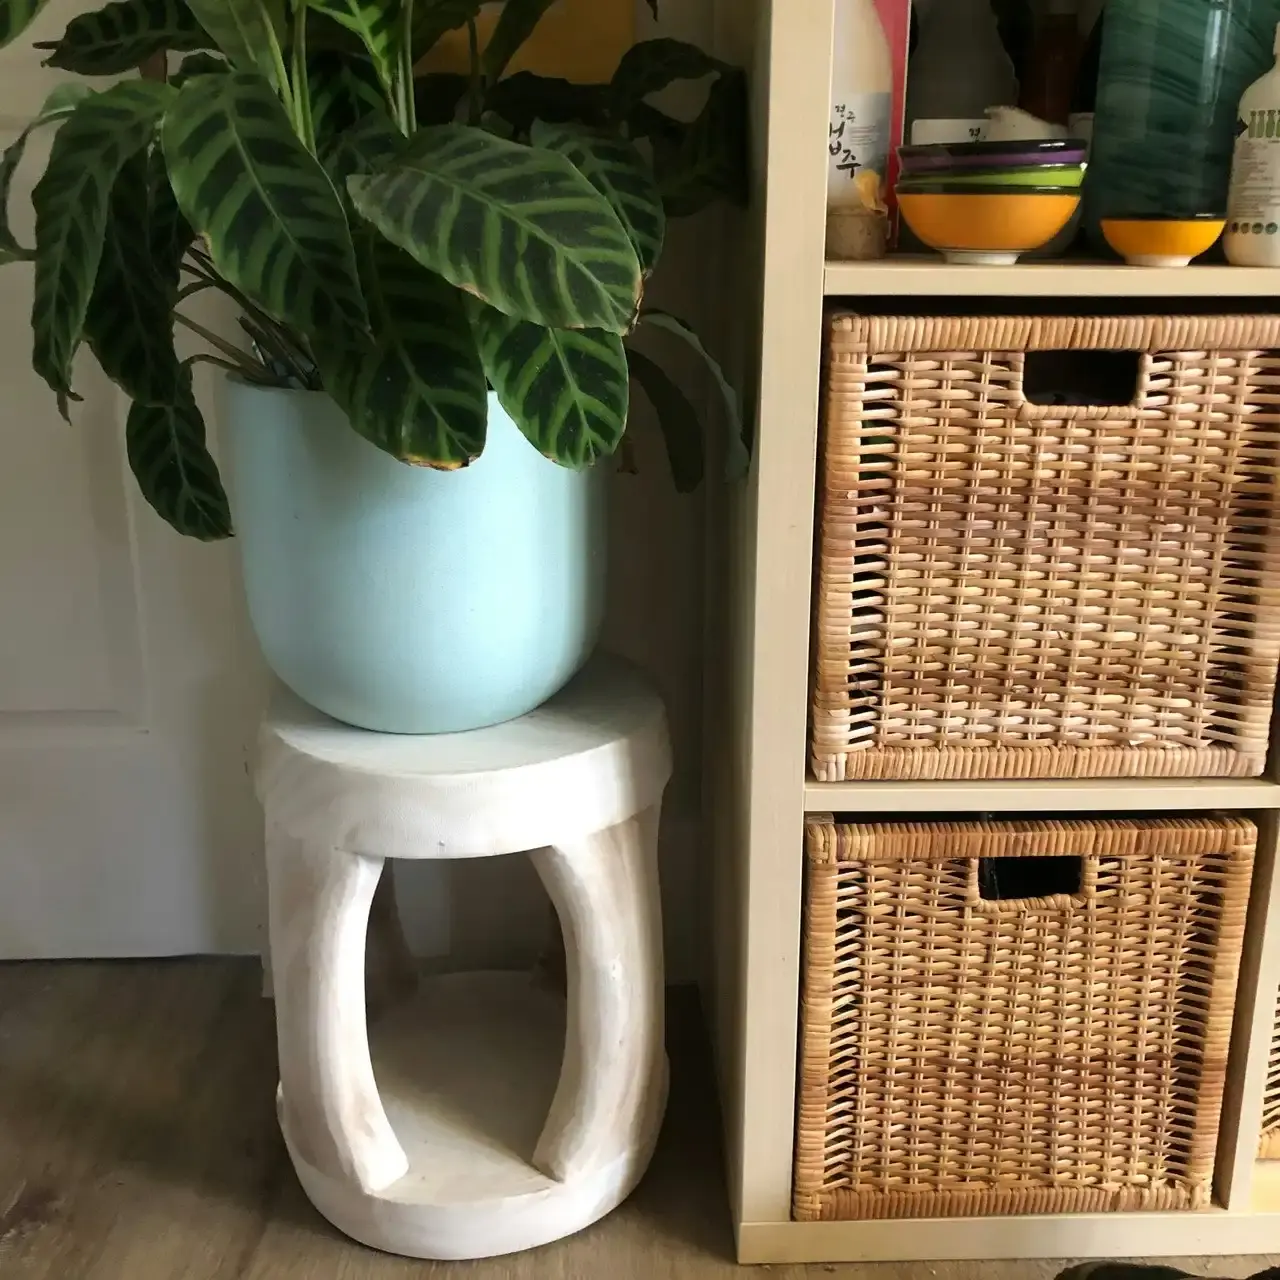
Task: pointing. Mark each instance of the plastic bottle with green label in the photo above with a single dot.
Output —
(1253, 208)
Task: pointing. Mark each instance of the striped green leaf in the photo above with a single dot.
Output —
(72, 203)
(418, 391)
(515, 25)
(129, 325)
(247, 31)
(523, 98)
(198, 64)
(16, 16)
(274, 226)
(566, 389)
(123, 35)
(169, 234)
(520, 228)
(57, 107)
(344, 89)
(677, 419)
(364, 146)
(378, 25)
(433, 18)
(618, 171)
(737, 456)
(167, 453)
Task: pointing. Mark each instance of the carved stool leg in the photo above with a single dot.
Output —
(605, 890)
(330, 1109)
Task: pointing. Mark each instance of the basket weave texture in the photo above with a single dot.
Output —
(971, 1057)
(1271, 1107)
(1010, 589)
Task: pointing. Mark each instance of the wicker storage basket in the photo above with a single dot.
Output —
(968, 1054)
(1011, 589)
(1271, 1107)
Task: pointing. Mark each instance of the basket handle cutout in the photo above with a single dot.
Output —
(1080, 379)
(1039, 882)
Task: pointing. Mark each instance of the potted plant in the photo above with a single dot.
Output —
(439, 271)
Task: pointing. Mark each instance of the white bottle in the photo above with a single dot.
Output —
(858, 137)
(1253, 207)
(960, 67)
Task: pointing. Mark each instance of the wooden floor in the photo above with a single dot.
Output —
(138, 1142)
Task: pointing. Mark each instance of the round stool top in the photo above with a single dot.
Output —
(595, 755)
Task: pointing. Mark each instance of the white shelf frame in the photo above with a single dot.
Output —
(757, 727)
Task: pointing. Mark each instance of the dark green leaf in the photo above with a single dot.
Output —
(418, 391)
(247, 31)
(344, 90)
(708, 161)
(621, 174)
(681, 427)
(169, 234)
(520, 228)
(364, 146)
(515, 26)
(436, 97)
(433, 18)
(378, 25)
(178, 477)
(274, 226)
(652, 65)
(129, 325)
(123, 35)
(524, 97)
(566, 389)
(16, 16)
(71, 204)
(57, 107)
(737, 460)
(198, 64)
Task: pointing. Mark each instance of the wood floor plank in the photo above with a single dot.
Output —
(138, 1142)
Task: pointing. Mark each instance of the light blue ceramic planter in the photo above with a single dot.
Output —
(406, 600)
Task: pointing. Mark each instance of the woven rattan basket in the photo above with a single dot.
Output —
(1015, 589)
(1271, 1107)
(967, 1053)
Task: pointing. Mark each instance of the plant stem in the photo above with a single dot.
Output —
(282, 76)
(475, 91)
(242, 358)
(406, 71)
(240, 370)
(304, 124)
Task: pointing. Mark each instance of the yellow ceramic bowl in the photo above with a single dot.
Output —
(1162, 242)
(988, 228)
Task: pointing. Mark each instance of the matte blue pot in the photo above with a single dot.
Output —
(406, 600)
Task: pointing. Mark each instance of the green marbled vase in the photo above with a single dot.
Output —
(1170, 81)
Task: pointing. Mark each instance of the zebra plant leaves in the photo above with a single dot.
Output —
(249, 32)
(374, 248)
(129, 324)
(418, 392)
(274, 225)
(567, 390)
(379, 27)
(71, 204)
(16, 16)
(167, 453)
(520, 228)
(617, 170)
(121, 36)
(57, 107)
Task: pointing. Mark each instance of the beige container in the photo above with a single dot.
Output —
(968, 1052)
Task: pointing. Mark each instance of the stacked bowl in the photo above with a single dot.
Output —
(986, 203)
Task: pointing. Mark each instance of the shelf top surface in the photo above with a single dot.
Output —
(929, 276)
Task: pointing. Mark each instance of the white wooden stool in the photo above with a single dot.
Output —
(491, 1115)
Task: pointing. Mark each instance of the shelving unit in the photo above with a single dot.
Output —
(757, 700)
